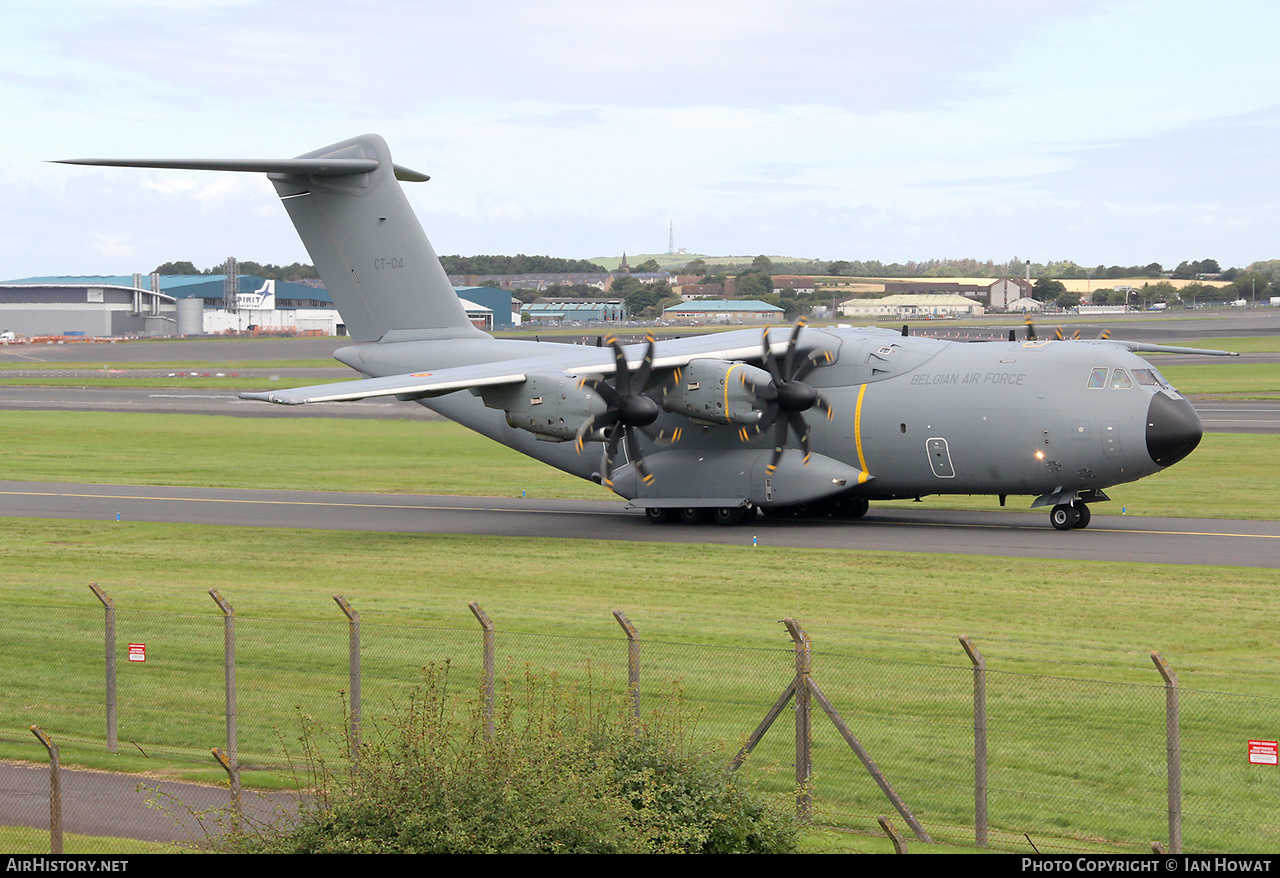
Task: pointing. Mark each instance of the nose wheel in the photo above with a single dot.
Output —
(1069, 516)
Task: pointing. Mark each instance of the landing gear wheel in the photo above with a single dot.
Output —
(850, 507)
(1064, 516)
(1083, 521)
(728, 516)
(659, 515)
(693, 515)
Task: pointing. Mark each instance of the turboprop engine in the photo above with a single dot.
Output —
(553, 407)
(716, 392)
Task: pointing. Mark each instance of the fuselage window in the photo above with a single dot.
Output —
(1097, 379)
(1144, 376)
(1120, 380)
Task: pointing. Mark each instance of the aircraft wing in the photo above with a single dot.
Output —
(1139, 347)
(590, 362)
(416, 385)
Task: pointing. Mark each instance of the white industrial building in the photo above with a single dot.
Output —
(171, 305)
(912, 306)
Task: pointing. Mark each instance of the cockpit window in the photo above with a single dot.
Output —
(1145, 377)
(1163, 382)
(1120, 380)
(1097, 379)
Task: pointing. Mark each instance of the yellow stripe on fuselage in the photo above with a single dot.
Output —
(857, 435)
(726, 387)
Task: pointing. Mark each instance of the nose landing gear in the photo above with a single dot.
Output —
(1069, 516)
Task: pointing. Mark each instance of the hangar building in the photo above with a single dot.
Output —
(198, 304)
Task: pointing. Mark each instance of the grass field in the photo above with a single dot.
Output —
(1219, 480)
(1076, 706)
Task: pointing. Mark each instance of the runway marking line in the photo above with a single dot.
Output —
(297, 503)
(1179, 533)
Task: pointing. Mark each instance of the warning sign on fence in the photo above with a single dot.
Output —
(137, 652)
(1262, 752)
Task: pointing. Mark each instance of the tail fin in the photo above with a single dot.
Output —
(363, 237)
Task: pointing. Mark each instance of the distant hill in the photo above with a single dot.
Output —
(677, 261)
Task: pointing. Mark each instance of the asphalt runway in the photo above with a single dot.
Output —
(102, 803)
(1110, 537)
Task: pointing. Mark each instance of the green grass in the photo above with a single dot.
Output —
(19, 840)
(1234, 380)
(176, 365)
(1251, 344)
(415, 457)
(178, 381)
(1076, 705)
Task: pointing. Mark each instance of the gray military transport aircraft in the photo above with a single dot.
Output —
(801, 422)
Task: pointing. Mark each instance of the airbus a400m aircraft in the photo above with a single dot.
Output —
(805, 420)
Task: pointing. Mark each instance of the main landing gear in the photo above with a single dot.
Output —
(1069, 516)
(723, 515)
(848, 507)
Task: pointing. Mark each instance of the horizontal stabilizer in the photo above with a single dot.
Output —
(298, 167)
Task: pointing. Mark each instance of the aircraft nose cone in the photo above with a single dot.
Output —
(1173, 429)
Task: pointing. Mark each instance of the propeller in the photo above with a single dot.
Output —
(786, 397)
(1057, 333)
(628, 409)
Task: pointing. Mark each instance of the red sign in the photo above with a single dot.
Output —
(1263, 753)
(137, 652)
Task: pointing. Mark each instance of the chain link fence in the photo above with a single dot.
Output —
(989, 756)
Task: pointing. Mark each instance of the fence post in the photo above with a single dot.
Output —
(979, 741)
(229, 668)
(488, 666)
(353, 664)
(233, 772)
(804, 728)
(633, 663)
(899, 843)
(109, 610)
(1173, 751)
(55, 792)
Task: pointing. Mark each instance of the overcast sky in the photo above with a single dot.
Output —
(1103, 132)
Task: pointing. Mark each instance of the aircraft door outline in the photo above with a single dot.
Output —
(940, 457)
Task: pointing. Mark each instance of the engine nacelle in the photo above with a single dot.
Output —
(716, 392)
(550, 406)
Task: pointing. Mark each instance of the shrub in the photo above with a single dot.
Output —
(557, 775)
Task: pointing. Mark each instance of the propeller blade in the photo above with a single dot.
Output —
(637, 459)
(796, 422)
(824, 406)
(611, 452)
(621, 374)
(769, 363)
(779, 441)
(646, 367)
(607, 393)
(791, 348)
(814, 360)
(1031, 329)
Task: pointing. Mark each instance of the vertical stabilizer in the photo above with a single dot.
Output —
(370, 249)
(363, 238)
